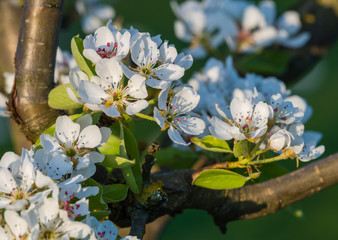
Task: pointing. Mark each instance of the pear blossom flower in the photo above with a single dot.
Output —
(106, 43)
(27, 186)
(260, 28)
(71, 147)
(48, 221)
(309, 150)
(145, 54)
(174, 113)
(246, 122)
(108, 93)
(199, 25)
(93, 14)
(280, 139)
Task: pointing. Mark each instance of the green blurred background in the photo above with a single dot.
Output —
(319, 218)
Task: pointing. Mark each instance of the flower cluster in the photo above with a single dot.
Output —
(93, 13)
(41, 192)
(129, 64)
(253, 108)
(243, 26)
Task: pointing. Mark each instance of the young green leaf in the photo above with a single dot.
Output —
(211, 143)
(112, 146)
(115, 192)
(219, 179)
(83, 63)
(58, 98)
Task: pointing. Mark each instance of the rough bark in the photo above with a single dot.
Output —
(250, 201)
(34, 66)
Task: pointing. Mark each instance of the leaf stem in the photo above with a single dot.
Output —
(144, 116)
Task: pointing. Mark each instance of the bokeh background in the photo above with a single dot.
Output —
(312, 218)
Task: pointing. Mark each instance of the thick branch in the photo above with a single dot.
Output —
(34, 65)
(243, 203)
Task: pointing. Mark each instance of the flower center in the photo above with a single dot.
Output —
(109, 52)
(70, 152)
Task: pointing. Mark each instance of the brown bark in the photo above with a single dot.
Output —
(248, 202)
(34, 66)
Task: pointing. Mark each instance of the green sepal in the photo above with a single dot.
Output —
(219, 179)
(58, 98)
(115, 192)
(212, 143)
(84, 64)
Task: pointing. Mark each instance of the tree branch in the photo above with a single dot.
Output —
(250, 201)
(34, 66)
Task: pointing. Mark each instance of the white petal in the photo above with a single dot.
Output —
(7, 183)
(106, 230)
(190, 125)
(75, 77)
(42, 181)
(219, 129)
(129, 73)
(290, 22)
(184, 61)
(66, 130)
(168, 54)
(260, 115)
(48, 211)
(84, 121)
(123, 45)
(158, 117)
(111, 110)
(87, 192)
(90, 137)
(92, 55)
(144, 52)
(169, 72)
(137, 87)
(105, 133)
(240, 110)
(10, 161)
(95, 157)
(58, 167)
(252, 18)
(176, 137)
(136, 107)
(154, 83)
(185, 100)
(49, 143)
(109, 70)
(182, 32)
(91, 93)
(16, 223)
(268, 9)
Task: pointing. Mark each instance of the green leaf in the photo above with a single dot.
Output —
(242, 148)
(58, 98)
(96, 203)
(211, 143)
(115, 192)
(51, 130)
(96, 117)
(133, 153)
(112, 146)
(219, 179)
(269, 62)
(117, 162)
(83, 63)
